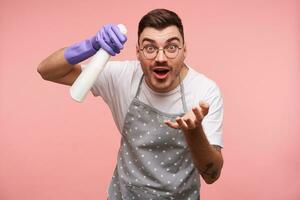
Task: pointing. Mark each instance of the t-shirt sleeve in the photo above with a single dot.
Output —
(213, 121)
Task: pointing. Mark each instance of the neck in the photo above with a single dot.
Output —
(183, 72)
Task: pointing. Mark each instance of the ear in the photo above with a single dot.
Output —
(137, 51)
(184, 50)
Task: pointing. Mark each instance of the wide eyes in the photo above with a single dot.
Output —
(150, 48)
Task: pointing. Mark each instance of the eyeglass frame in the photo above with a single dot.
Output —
(158, 49)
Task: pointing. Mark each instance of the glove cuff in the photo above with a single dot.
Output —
(81, 51)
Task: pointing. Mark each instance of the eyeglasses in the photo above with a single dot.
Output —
(150, 51)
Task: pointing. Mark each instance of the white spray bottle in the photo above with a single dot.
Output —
(89, 74)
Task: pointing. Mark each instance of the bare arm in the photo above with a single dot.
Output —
(207, 158)
(55, 68)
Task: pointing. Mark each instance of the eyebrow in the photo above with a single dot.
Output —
(153, 41)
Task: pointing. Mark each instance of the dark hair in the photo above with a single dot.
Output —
(160, 19)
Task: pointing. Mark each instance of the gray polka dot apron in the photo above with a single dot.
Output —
(154, 161)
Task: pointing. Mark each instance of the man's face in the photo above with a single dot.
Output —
(162, 70)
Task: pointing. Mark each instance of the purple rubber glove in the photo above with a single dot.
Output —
(108, 38)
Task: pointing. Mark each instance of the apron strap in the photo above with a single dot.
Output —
(182, 95)
(139, 87)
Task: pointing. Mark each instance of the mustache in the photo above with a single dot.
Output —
(160, 64)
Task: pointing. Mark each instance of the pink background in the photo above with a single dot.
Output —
(52, 148)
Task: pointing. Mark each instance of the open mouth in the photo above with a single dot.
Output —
(161, 72)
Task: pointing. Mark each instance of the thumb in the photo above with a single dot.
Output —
(204, 107)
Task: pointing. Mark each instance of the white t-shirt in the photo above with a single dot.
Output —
(118, 83)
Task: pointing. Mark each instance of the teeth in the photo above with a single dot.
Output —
(161, 71)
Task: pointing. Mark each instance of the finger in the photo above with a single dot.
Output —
(114, 39)
(120, 35)
(190, 123)
(105, 36)
(101, 38)
(181, 123)
(115, 48)
(111, 39)
(171, 124)
(204, 107)
(198, 114)
(95, 41)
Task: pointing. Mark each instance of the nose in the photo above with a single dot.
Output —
(160, 57)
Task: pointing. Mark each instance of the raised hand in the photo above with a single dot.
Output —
(191, 120)
(109, 38)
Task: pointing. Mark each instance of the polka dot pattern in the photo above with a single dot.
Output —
(154, 161)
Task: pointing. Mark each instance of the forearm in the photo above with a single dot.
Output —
(207, 159)
(54, 66)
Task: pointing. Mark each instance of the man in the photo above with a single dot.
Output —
(169, 115)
